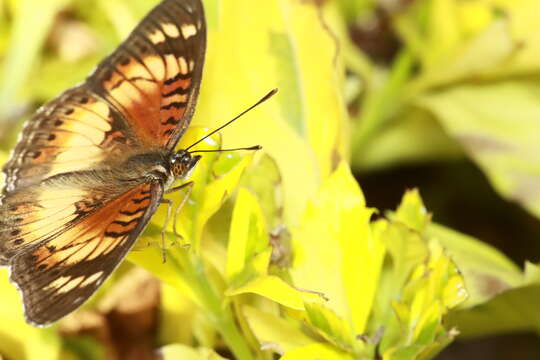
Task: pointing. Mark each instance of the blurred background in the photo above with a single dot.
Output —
(439, 95)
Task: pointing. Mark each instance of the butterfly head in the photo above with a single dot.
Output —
(182, 162)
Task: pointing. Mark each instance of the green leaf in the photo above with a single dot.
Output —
(25, 46)
(486, 271)
(514, 310)
(478, 56)
(419, 282)
(442, 30)
(455, 41)
(496, 124)
(403, 134)
(526, 32)
(353, 10)
(434, 287)
(405, 250)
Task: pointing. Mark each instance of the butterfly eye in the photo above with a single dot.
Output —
(186, 159)
(177, 169)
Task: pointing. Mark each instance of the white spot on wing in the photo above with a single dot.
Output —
(92, 278)
(183, 65)
(171, 30)
(188, 30)
(157, 37)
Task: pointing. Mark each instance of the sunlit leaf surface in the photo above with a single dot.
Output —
(308, 114)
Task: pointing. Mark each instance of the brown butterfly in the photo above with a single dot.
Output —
(92, 165)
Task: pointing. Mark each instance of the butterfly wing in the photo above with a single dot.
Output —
(75, 132)
(37, 214)
(153, 78)
(139, 100)
(57, 276)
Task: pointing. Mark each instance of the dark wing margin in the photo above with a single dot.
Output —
(153, 78)
(59, 275)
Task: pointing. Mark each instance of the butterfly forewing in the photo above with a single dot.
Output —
(77, 131)
(77, 192)
(153, 78)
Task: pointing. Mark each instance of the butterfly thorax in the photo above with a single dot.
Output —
(119, 174)
(158, 166)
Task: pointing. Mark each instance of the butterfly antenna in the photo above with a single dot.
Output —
(251, 148)
(257, 147)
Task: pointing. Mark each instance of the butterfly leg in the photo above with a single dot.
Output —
(189, 186)
(164, 228)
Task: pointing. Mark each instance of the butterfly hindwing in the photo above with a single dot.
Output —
(32, 216)
(153, 78)
(57, 276)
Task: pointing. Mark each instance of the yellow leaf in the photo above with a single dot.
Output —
(433, 289)
(300, 127)
(275, 332)
(213, 197)
(479, 263)
(317, 351)
(264, 180)
(19, 339)
(412, 212)
(275, 289)
(483, 119)
(335, 253)
(25, 46)
(177, 315)
(331, 326)
(443, 30)
(180, 351)
(248, 234)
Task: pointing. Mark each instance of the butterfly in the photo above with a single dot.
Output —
(92, 166)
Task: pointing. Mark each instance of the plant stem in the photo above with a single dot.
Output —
(219, 315)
